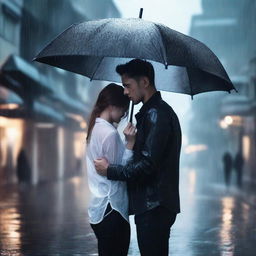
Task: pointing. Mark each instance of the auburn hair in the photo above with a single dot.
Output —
(113, 95)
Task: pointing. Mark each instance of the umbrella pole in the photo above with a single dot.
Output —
(141, 12)
(131, 113)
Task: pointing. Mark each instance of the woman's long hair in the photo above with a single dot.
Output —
(113, 95)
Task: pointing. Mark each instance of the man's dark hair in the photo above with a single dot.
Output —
(137, 68)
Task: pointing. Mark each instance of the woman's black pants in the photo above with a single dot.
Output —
(113, 234)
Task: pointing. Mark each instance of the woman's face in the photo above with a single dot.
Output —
(116, 114)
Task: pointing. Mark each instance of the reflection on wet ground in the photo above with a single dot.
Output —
(51, 219)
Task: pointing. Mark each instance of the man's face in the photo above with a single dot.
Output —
(133, 89)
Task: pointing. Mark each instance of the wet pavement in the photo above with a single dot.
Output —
(51, 219)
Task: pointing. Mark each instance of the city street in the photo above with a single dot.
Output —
(58, 62)
(51, 219)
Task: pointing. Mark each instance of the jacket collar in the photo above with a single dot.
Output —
(156, 97)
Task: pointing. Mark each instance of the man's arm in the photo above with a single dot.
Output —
(158, 128)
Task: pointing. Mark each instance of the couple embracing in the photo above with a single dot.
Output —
(139, 177)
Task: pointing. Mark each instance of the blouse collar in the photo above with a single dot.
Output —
(101, 120)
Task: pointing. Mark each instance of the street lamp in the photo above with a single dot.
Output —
(228, 120)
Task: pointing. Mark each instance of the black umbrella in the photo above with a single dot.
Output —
(94, 48)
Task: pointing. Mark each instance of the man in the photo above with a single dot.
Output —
(227, 162)
(152, 175)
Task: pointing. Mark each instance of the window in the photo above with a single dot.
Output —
(10, 22)
(10, 29)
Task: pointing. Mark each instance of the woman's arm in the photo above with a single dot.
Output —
(111, 148)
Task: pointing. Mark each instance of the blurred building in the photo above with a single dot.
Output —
(227, 121)
(43, 110)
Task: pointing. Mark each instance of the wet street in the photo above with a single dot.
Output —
(51, 219)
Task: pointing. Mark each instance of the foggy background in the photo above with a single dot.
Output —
(44, 114)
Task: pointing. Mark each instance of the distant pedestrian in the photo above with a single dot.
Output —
(227, 164)
(23, 168)
(238, 166)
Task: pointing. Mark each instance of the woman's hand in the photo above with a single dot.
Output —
(130, 135)
(101, 166)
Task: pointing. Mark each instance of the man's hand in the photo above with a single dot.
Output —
(101, 166)
(130, 135)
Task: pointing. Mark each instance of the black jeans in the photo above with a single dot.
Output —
(113, 234)
(153, 231)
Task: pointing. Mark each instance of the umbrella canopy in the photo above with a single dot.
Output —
(94, 48)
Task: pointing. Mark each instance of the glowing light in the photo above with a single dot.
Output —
(3, 121)
(231, 121)
(10, 139)
(12, 133)
(226, 227)
(192, 180)
(237, 120)
(10, 224)
(78, 118)
(223, 124)
(246, 147)
(83, 125)
(78, 144)
(228, 120)
(9, 106)
(195, 148)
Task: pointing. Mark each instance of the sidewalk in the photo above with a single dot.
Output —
(248, 192)
(51, 219)
(48, 219)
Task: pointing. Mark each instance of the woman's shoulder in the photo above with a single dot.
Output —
(103, 130)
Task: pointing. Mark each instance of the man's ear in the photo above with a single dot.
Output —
(145, 81)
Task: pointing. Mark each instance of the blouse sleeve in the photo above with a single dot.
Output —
(127, 155)
(114, 150)
(110, 148)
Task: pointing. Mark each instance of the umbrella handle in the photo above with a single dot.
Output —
(131, 113)
(141, 12)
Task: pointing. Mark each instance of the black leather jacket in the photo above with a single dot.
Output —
(153, 174)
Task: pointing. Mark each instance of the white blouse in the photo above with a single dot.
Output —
(106, 142)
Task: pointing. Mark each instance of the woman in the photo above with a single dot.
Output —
(108, 210)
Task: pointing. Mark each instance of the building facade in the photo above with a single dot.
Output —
(228, 28)
(43, 110)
